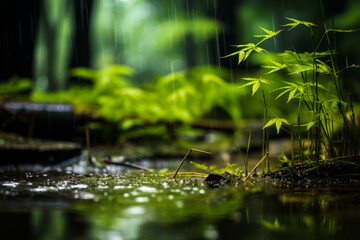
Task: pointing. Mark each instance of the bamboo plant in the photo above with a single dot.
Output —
(315, 81)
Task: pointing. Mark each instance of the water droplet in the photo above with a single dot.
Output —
(135, 210)
(146, 189)
(10, 184)
(141, 199)
(79, 186)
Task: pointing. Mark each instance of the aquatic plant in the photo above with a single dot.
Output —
(325, 127)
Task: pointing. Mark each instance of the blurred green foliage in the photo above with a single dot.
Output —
(14, 87)
(178, 97)
(151, 36)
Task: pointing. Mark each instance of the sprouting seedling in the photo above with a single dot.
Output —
(188, 152)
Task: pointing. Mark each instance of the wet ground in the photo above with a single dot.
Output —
(84, 202)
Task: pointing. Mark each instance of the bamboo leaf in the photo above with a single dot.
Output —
(282, 93)
(251, 79)
(83, 72)
(250, 45)
(299, 68)
(270, 122)
(247, 54)
(276, 67)
(270, 34)
(231, 54)
(212, 78)
(322, 67)
(296, 22)
(278, 123)
(248, 84)
(200, 166)
(309, 125)
(291, 94)
(241, 57)
(255, 87)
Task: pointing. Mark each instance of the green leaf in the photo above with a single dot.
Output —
(270, 122)
(83, 72)
(262, 80)
(242, 55)
(282, 93)
(278, 122)
(248, 84)
(14, 86)
(276, 67)
(118, 69)
(200, 166)
(299, 68)
(322, 67)
(230, 168)
(245, 52)
(296, 22)
(309, 125)
(292, 88)
(231, 54)
(255, 87)
(248, 46)
(270, 34)
(255, 82)
(212, 78)
(292, 94)
(273, 226)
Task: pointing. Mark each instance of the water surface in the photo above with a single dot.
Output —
(82, 203)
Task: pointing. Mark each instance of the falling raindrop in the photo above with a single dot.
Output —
(20, 33)
(7, 44)
(42, 83)
(274, 29)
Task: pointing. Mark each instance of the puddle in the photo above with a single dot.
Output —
(98, 204)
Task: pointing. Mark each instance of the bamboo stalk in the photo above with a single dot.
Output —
(88, 143)
(242, 155)
(253, 170)
(247, 154)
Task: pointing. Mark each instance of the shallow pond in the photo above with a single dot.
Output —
(80, 202)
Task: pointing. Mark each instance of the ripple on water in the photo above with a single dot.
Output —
(142, 199)
(40, 189)
(79, 186)
(136, 210)
(147, 189)
(10, 184)
(84, 195)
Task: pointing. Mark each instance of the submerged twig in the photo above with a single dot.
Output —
(108, 160)
(253, 170)
(188, 152)
(88, 143)
(247, 153)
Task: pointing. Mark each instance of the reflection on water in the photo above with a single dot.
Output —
(63, 205)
